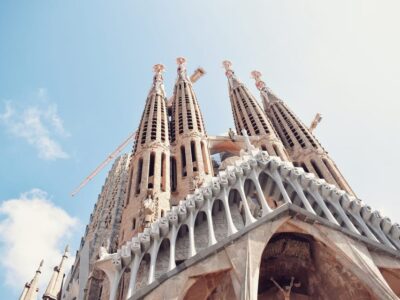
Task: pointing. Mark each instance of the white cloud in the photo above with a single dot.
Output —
(32, 228)
(38, 126)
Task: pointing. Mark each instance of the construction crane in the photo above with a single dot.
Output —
(197, 74)
(109, 158)
(315, 122)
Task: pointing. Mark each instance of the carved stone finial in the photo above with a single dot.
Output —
(182, 74)
(259, 83)
(158, 80)
(227, 65)
(158, 68)
(40, 266)
(233, 80)
(181, 61)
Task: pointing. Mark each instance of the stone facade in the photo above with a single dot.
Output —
(83, 282)
(274, 219)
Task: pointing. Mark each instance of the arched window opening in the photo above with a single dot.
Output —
(193, 150)
(162, 261)
(220, 223)
(253, 200)
(173, 174)
(205, 160)
(194, 157)
(183, 160)
(316, 169)
(163, 172)
(139, 176)
(264, 148)
(272, 193)
(151, 170)
(236, 208)
(162, 213)
(182, 244)
(201, 231)
(143, 272)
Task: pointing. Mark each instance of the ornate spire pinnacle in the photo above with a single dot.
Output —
(262, 87)
(31, 289)
(158, 80)
(182, 73)
(66, 250)
(230, 74)
(55, 285)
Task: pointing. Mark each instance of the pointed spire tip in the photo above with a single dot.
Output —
(181, 60)
(158, 68)
(227, 65)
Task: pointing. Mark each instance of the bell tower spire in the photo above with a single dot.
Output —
(149, 187)
(191, 161)
(53, 291)
(248, 115)
(304, 149)
(31, 289)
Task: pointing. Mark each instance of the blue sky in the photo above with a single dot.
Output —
(74, 77)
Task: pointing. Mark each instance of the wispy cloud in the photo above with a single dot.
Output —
(38, 125)
(32, 228)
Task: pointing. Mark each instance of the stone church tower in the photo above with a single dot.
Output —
(190, 162)
(273, 218)
(149, 184)
(304, 149)
(31, 289)
(249, 116)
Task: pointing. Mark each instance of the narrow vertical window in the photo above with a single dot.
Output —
(139, 176)
(205, 160)
(183, 160)
(173, 173)
(194, 156)
(193, 150)
(163, 172)
(151, 171)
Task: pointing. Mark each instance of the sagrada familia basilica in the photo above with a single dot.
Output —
(260, 213)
